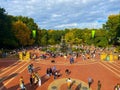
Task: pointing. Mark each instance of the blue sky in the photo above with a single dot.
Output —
(60, 14)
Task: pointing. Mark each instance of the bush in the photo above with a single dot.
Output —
(101, 42)
(53, 49)
(117, 49)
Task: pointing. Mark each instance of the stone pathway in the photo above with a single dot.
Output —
(56, 84)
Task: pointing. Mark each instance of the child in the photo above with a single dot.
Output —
(22, 86)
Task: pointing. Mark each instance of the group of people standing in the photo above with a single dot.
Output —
(90, 81)
(34, 78)
(52, 71)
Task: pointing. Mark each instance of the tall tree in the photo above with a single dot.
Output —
(113, 26)
(28, 21)
(22, 33)
(6, 36)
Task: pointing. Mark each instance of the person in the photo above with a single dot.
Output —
(65, 56)
(69, 82)
(67, 71)
(119, 57)
(48, 72)
(30, 68)
(55, 74)
(117, 87)
(83, 57)
(71, 60)
(54, 69)
(39, 78)
(99, 85)
(90, 81)
(31, 80)
(22, 86)
(39, 81)
(35, 80)
(33, 77)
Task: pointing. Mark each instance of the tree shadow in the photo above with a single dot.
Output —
(16, 63)
(2, 87)
(72, 83)
(44, 79)
(13, 88)
(8, 64)
(84, 88)
(27, 86)
(79, 87)
(37, 69)
(8, 77)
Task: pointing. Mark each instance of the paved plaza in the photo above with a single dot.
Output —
(107, 72)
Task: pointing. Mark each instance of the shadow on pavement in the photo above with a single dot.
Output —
(44, 79)
(27, 86)
(8, 77)
(2, 87)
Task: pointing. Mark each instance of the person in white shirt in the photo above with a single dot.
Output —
(69, 81)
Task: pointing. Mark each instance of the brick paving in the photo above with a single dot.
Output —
(80, 71)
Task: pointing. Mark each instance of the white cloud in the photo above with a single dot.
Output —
(55, 14)
(66, 25)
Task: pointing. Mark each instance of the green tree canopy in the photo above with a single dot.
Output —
(6, 36)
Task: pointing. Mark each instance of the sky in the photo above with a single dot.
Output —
(61, 14)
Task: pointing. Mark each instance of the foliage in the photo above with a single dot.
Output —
(5, 30)
(15, 31)
(53, 49)
(113, 25)
(118, 49)
(101, 41)
(22, 33)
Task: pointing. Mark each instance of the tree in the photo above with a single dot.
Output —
(38, 37)
(7, 38)
(113, 26)
(44, 37)
(28, 21)
(22, 33)
(69, 37)
(101, 41)
(44, 40)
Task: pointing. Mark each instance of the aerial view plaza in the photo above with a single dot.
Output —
(59, 45)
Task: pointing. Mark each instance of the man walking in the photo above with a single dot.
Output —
(99, 85)
(90, 81)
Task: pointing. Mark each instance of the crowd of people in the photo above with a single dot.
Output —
(86, 54)
(35, 78)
